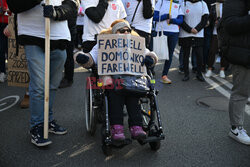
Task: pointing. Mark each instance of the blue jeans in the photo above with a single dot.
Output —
(36, 64)
(172, 41)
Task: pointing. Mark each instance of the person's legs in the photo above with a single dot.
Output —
(36, 63)
(172, 41)
(211, 57)
(208, 33)
(186, 53)
(181, 67)
(239, 96)
(115, 106)
(135, 117)
(68, 67)
(3, 48)
(134, 111)
(198, 52)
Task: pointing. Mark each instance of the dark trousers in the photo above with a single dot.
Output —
(87, 46)
(147, 37)
(69, 64)
(198, 50)
(213, 50)
(3, 47)
(116, 103)
(208, 33)
(78, 41)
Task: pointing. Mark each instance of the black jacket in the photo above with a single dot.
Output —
(236, 20)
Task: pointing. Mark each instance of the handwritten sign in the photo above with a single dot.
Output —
(17, 64)
(120, 54)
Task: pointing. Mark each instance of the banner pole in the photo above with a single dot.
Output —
(170, 8)
(47, 75)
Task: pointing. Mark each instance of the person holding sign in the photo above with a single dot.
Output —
(168, 17)
(31, 33)
(116, 100)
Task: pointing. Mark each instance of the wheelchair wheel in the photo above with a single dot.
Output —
(156, 144)
(90, 113)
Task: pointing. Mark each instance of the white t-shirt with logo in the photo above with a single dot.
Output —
(163, 6)
(32, 23)
(139, 21)
(114, 11)
(193, 14)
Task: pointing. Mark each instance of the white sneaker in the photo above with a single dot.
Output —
(208, 73)
(218, 60)
(2, 77)
(222, 74)
(240, 134)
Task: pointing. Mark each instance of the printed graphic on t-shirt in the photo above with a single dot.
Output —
(114, 7)
(193, 16)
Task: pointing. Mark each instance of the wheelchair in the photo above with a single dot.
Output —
(96, 112)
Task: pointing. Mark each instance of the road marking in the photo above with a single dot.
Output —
(10, 105)
(217, 86)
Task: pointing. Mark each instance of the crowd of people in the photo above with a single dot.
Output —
(192, 24)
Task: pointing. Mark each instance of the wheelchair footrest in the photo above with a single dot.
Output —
(120, 144)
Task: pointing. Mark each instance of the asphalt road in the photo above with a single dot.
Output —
(195, 135)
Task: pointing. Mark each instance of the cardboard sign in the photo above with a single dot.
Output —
(17, 64)
(120, 54)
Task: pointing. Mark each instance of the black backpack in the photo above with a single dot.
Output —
(18, 6)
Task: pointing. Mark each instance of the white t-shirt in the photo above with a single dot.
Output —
(163, 7)
(220, 9)
(114, 11)
(139, 21)
(32, 23)
(80, 18)
(193, 14)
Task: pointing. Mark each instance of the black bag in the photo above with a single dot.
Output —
(132, 85)
(18, 6)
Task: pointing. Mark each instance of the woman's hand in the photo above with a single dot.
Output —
(7, 32)
(168, 20)
(194, 31)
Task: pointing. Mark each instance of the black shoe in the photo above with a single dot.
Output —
(186, 78)
(200, 78)
(37, 136)
(56, 129)
(181, 70)
(65, 83)
(194, 70)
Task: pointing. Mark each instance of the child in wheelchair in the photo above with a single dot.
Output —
(116, 101)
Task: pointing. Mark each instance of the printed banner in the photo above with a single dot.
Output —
(120, 54)
(17, 64)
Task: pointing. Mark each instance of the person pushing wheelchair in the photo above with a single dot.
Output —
(117, 100)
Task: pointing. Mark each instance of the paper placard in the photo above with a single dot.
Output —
(17, 65)
(120, 54)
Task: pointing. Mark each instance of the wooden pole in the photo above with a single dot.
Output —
(170, 8)
(47, 75)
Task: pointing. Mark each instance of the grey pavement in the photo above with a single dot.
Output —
(196, 135)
